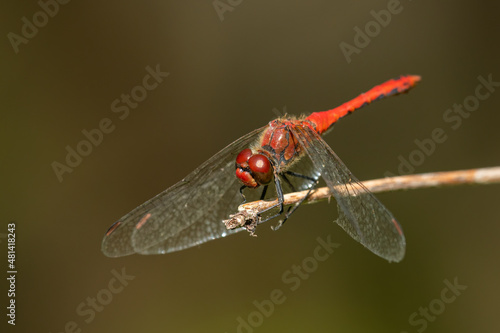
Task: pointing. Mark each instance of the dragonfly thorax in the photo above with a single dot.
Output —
(279, 143)
(252, 169)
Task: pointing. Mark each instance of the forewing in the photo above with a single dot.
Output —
(361, 214)
(304, 167)
(186, 214)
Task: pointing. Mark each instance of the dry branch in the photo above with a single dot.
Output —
(248, 217)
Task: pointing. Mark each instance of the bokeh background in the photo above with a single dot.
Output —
(226, 77)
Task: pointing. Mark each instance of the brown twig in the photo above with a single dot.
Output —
(248, 217)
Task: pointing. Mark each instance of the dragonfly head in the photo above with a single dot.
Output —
(253, 169)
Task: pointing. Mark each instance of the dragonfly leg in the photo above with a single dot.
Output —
(263, 194)
(281, 199)
(299, 175)
(242, 195)
(292, 188)
(293, 208)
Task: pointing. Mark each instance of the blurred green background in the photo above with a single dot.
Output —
(226, 77)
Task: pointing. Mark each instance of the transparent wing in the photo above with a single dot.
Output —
(186, 214)
(361, 215)
(304, 167)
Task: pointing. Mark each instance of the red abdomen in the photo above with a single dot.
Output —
(323, 120)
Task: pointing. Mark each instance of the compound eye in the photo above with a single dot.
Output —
(243, 156)
(261, 168)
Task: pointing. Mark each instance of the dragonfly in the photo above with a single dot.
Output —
(288, 153)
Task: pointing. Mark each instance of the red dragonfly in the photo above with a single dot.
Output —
(287, 151)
